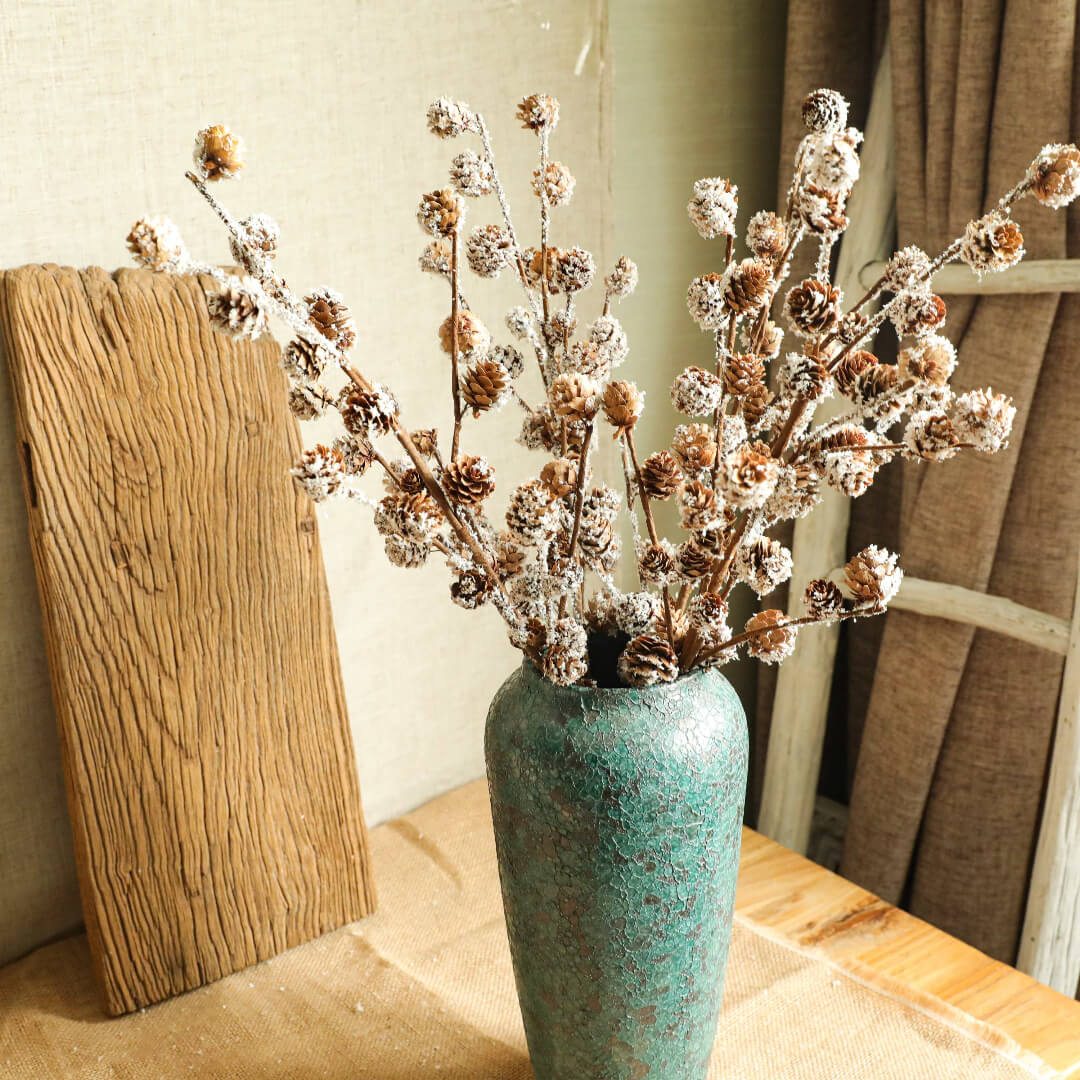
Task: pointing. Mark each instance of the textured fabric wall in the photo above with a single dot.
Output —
(99, 106)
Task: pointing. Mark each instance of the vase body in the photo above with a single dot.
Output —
(618, 823)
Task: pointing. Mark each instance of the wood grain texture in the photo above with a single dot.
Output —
(807, 906)
(209, 767)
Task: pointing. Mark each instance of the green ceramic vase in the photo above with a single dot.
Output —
(618, 819)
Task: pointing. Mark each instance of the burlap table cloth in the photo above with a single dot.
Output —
(425, 989)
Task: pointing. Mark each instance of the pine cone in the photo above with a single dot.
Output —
(757, 400)
(529, 517)
(742, 373)
(483, 385)
(874, 382)
(692, 561)
(509, 558)
(803, 376)
(574, 270)
(235, 310)
(357, 456)
(648, 660)
(319, 471)
(557, 184)
(823, 599)
(329, 315)
(930, 361)
(822, 211)
(873, 576)
(917, 313)
(766, 234)
(698, 506)
(468, 481)
(489, 250)
(623, 279)
(306, 403)
(219, 154)
(156, 244)
(749, 476)
(440, 212)
(842, 438)
(364, 410)
(992, 243)
(472, 334)
(764, 564)
(694, 447)
(574, 396)
(812, 306)
(426, 441)
(564, 666)
(847, 372)
(660, 475)
(746, 285)
(776, 642)
(825, 111)
(560, 476)
(304, 361)
(656, 564)
(472, 589)
(1055, 175)
(623, 404)
(538, 112)
(600, 542)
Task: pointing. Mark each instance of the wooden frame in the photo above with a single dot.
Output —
(1050, 940)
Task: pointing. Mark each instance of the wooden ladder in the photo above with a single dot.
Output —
(1050, 942)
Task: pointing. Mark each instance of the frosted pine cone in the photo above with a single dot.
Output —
(509, 558)
(519, 322)
(773, 639)
(329, 315)
(449, 119)
(831, 162)
(696, 392)
(656, 563)
(708, 617)
(472, 174)
(850, 472)
(218, 153)
(755, 402)
(804, 376)
(742, 372)
(623, 279)
(472, 334)
(305, 403)
(564, 667)
(156, 244)
(468, 481)
(812, 307)
(766, 235)
(748, 476)
(414, 516)
(823, 599)
(574, 396)
(405, 553)
(992, 243)
(930, 436)
(636, 613)
(698, 507)
(440, 212)
(489, 250)
(746, 285)
(907, 270)
(705, 301)
(713, 207)
(303, 361)
(574, 270)
(471, 590)
(873, 576)
(660, 475)
(692, 561)
(820, 210)
(1055, 175)
(825, 111)
(764, 565)
(364, 411)
(931, 360)
(768, 342)
(846, 373)
(529, 516)
(538, 112)
(984, 420)
(261, 235)
(694, 446)
(623, 405)
(485, 385)
(646, 661)
(436, 258)
(426, 441)
(917, 313)
(357, 455)
(319, 472)
(236, 309)
(558, 184)
(609, 337)
(560, 476)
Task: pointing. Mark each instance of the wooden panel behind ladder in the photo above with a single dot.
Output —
(206, 747)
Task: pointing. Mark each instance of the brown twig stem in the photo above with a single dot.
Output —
(454, 377)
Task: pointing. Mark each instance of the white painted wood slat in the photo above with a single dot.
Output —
(1031, 276)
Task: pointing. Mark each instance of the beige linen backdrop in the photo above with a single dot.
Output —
(951, 764)
(98, 108)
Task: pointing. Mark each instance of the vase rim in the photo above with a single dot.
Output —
(610, 693)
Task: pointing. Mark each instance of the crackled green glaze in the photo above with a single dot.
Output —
(618, 822)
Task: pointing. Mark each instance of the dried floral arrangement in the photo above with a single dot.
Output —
(748, 458)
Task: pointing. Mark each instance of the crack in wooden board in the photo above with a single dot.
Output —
(209, 767)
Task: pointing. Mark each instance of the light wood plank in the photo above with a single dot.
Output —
(1050, 940)
(210, 772)
(1034, 276)
(791, 897)
(801, 702)
(996, 613)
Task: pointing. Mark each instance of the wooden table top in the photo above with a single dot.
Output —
(808, 906)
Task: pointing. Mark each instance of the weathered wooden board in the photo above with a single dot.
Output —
(209, 766)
